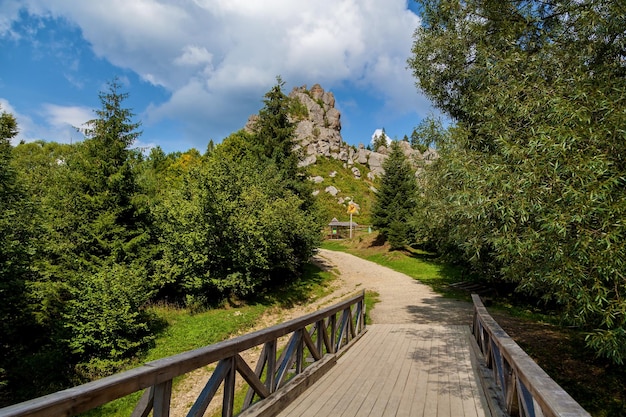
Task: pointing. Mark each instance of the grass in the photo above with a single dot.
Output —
(371, 298)
(419, 265)
(184, 330)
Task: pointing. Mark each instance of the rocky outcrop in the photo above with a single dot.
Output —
(318, 133)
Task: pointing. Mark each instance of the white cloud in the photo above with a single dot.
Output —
(64, 116)
(217, 57)
(57, 123)
(193, 56)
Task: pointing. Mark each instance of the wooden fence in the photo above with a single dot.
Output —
(527, 391)
(314, 343)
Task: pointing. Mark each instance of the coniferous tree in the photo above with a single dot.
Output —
(274, 135)
(395, 200)
(16, 233)
(107, 246)
(380, 140)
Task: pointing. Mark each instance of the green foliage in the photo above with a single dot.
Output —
(395, 200)
(92, 233)
(234, 227)
(529, 186)
(16, 230)
(380, 140)
(428, 133)
(106, 319)
(297, 110)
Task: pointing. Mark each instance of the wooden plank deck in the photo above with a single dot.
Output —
(400, 370)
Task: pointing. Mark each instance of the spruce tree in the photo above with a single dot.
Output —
(15, 255)
(107, 240)
(395, 200)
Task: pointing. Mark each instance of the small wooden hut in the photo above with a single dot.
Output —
(340, 230)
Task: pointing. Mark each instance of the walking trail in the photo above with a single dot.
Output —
(402, 300)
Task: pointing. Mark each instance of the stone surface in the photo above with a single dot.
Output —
(332, 190)
(318, 133)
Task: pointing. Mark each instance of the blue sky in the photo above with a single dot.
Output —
(196, 70)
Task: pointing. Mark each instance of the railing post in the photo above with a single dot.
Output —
(162, 397)
(333, 332)
(320, 337)
(229, 389)
(271, 366)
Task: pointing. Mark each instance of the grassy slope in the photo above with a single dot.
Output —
(348, 186)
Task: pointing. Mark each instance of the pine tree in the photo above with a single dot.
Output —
(395, 200)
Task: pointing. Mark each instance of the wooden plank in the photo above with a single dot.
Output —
(455, 379)
(400, 370)
(395, 380)
(251, 378)
(331, 385)
(412, 384)
(162, 397)
(422, 358)
(374, 368)
(432, 380)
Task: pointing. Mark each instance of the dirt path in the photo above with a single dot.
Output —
(402, 300)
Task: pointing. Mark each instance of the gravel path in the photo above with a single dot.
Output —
(402, 299)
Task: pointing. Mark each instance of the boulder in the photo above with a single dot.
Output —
(332, 190)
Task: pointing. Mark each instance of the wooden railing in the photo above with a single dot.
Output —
(315, 342)
(526, 389)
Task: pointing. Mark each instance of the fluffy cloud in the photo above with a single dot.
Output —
(64, 116)
(215, 57)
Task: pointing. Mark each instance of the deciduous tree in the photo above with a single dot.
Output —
(529, 186)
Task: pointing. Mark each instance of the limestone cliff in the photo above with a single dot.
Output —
(318, 133)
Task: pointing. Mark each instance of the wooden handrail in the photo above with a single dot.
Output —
(526, 388)
(157, 375)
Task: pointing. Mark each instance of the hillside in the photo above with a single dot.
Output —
(340, 172)
(330, 173)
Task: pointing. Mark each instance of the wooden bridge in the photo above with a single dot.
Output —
(329, 363)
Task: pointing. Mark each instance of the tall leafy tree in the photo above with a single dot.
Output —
(529, 186)
(233, 228)
(395, 200)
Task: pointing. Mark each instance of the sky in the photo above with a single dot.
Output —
(195, 70)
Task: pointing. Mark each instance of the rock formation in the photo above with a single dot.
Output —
(318, 133)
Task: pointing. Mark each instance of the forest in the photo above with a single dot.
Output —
(91, 233)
